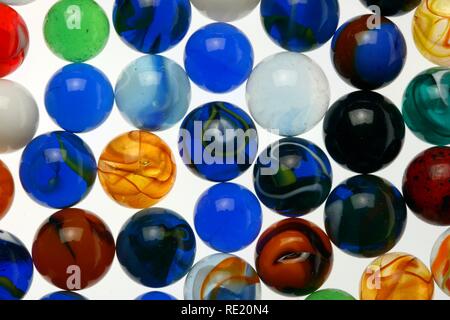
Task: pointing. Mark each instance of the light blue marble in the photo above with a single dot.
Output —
(153, 93)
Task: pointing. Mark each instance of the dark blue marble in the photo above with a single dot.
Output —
(392, 7)
(152, 26)
(16, 267)
(63, 295)
(300, 25)
(57, 169)
(365, 216)
(218, 57)
(218, 141)
(292, 177)
(79, 97)
(156, 247)
(156, 295)
(228, 217)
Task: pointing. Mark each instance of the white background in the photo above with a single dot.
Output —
(25, 216)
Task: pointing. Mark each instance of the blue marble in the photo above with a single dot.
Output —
(365, 216)
(79, 97)
(153, 93)
(218, 141)
(218, 57)
(156, 295)
(16, 267)
(63, 295)
(57, 169)
(156, 247)
(228, 217)
(300, 25)
(152, 26)
(367, 53)
(292, 177)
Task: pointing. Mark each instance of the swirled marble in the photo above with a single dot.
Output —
(292, 176)
(137, 169)
(431, 31)
(396, 276)
(440, 262)
(426, 106)
(151, 26)
(222, 277)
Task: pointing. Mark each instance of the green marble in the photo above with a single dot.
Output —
(330, 294)
(76, 30)
(426, 106)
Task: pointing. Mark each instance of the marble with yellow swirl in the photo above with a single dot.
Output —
(431, 30)
(440, 262)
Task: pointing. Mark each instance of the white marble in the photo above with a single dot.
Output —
(16, 2)
(225, 10)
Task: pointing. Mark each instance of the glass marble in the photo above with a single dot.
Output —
(57, 169)
(225, 11)
(294, 257)
(14, 40)
(19, 116)
(16, 267)
(137, 169)
(300, 25)
(16, 2)
(288, 94)
(63, 295)
(392, 7)
(440, 261)
(218, 141)
(330, 294)
(431, 30)
(156, 247)
(6, 189)
(218, 57)
(222, 277)
(228, 217)
(76, 30)
(364, 131)
(156, 295)
(426, 186)
(292, 177)
(153, 93)
(152, 26)
(396, 276)
(79, 97)
(365, 216)
(426, 106)
(368, 52)
(73, 249)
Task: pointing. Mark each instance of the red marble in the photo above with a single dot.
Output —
(6, 189)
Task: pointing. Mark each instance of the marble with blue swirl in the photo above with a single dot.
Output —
(16, 267)
(152, 26)
(63, 296)
(292, 177)
(222, 277)
(57, 169)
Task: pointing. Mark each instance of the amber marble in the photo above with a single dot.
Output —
(137, 169)
(6, 189)
(397, 276)
(440, 262)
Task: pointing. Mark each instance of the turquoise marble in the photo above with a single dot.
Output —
(426, 106)
(153, 93)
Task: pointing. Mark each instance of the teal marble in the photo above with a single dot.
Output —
(426, 106)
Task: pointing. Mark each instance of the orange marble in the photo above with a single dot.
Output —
(440, 262)
(137, 169)
(397, 276)
(6, 189)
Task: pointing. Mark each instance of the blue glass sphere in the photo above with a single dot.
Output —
(16, 267)
(57, 169)
(64, 295)
(79, 97)
(156, 295)
(218, 57)
(228, 217)
(153, 93)
(156, 247)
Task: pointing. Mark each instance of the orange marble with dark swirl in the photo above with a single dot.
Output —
(6, 189)
(397, 276)
(137, 169)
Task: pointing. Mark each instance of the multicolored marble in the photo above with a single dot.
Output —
(225, 11)
(151, 26)
(288, 93)
(153, 93)
(426, 106)
(431, 31)
(222, 277)
(440, 262)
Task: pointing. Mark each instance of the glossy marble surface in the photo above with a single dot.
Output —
(392, 7)
(6, 189)
(225, 11)
(63, 296)
(156, 295)
(330, 294)
(440, 261)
